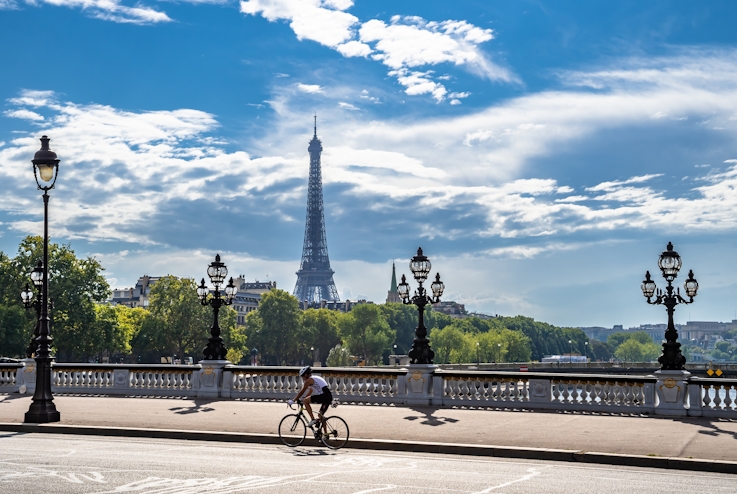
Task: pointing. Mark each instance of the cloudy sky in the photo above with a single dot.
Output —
(542, 155)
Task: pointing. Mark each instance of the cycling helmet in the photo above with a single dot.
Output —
(305, 370)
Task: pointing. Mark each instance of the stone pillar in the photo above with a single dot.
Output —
(695, 401)
(671, 389)
(25, 376)
(211, 378)
(540, 390)
(121, 380)
(419, 384)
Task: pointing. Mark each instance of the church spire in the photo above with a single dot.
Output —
(393, 295)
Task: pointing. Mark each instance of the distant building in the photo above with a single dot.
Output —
(336, 305)
(248, 296)
(393, 295)
(453, 309)
(136, 296)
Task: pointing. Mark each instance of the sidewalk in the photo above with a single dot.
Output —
(511, 431)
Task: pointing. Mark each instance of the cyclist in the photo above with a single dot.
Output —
(316, 390)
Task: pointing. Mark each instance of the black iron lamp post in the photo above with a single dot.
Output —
(421, 353)
(217, 271)
(31, 301)
(669, 264)
(43, 409)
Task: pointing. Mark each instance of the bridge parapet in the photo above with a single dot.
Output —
(429, 385)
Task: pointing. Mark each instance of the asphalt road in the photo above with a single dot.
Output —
(41, 463)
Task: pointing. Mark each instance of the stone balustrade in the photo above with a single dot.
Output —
(663, 394)
(8, 376)
(351, 384)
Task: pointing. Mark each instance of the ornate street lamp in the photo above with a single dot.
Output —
(42, 409)
(31, 301)
(669, 264)
(217, 271)
(421, 353)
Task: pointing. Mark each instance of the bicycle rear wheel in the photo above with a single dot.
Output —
(292, 430)
(337, 434)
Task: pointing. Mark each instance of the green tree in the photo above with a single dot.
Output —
(366, 332)
(320, 329)
(75, 285)
(178, 324)
(449, 344)
(403, 320)
(275, 329)
(339, 356)
(600, 351)
(631, 350)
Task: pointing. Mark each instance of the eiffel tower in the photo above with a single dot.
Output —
(315, 278)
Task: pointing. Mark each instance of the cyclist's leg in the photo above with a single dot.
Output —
(306, 401)
(323, 409)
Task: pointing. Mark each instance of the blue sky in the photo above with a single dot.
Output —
(542, 154)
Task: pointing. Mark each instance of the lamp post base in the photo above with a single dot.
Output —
(42, 412)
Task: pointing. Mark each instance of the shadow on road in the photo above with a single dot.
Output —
(710, 427)
(311, 452)
(11, 397)
(428, 418)
(199, 406)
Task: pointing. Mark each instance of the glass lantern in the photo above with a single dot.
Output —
(230, 290)
(403, 289)
(420, 266)
(691, 285)
(648, 286)
(437, 286)
(217, 271)
(202, 290)
(669, 263)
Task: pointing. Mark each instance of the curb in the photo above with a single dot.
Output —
(574, 456)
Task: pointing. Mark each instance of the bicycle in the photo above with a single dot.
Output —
(331, 431)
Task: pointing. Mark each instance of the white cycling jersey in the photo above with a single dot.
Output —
(317, 384)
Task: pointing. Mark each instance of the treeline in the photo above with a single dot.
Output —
(177, 325)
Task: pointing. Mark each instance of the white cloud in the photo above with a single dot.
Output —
(324, 22)
(404, 44)
(24, 114)
(348, 106)
(469, 163)
(309, 88)
(455, 102)
(459, 95)
(112, 10)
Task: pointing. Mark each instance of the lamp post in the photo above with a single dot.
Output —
(43, 409)
(570, 353)
(312, 352)
(478, 357)
(421, 353)
(31, 301)
(586, 349)
(498, 353)
(670, 263)
(217, 271)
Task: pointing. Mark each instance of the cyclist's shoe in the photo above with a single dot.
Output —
(312, 423)
(326, 436)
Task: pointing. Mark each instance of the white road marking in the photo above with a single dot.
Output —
(532, 472)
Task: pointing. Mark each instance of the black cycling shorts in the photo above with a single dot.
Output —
(324, 398)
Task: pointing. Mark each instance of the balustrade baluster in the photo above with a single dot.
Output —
(718, 396)
(728, 402)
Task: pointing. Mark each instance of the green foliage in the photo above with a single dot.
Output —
(616, 339)
(461, 342)
(75, 285)
(366, 332)
(178, 324)
(275, 329)
(320, 330)
(339, 356)
(451, 345)
(632, 350)
(403, 320)
(15, 331)
(545, 339)
(600, 351)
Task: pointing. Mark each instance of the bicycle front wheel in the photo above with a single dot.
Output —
(337, 433)
(292, 430)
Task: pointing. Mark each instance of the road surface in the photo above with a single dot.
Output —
(41, 463)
